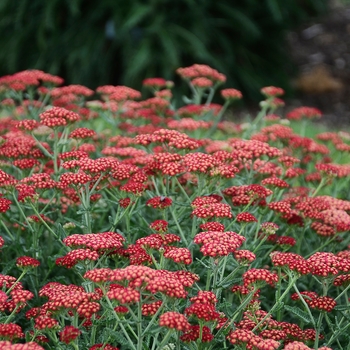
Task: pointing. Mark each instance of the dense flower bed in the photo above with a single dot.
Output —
(130, 223)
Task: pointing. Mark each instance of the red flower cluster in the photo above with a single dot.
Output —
(218, 243)
(327, 264)
(159, 202)
(259, 275)
(75, 256)
(199, 71)
(125, 295)
(4, 204)
(7, 345)
(212, 226)
(194, 333)
(173, 138)
(10, 331)
(99, 242)
(304, 112)
(322, 303)
(246, 217)
(174, 320)
(69, 334)
(58, 116)
(178, 255)
(160, 226)
(27, 261)
(151, 309)
(203, 307)
(291, 261)
(231, 94)
(245, 194)
(272, 91)
(82, 133)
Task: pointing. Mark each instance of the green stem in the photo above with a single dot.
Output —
(217, 120)
(279, 312)
(229, 277)
(216, 267)
(256, 121)
(183, 238)
(42, 220)
(119, 323)
(12, 314)
(55, 152)
(321, 184)
(241, 307)
(210, 96)
(244, 209)
(305, 304)
(42, 148)
(166, 338)
(342, 293)
(22, 213)
(155, 316)
(182, 189)
(139, 327)
(290, 285)
(319, 249)
(318, 330)
(7, 230)
(260, 243)
(18, 279)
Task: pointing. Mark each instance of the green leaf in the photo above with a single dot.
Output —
(139, 60)
(275, 10)
(299, 313)
(279, 306)
(115, 335)
(196, 45)
(170, 49)
(246, 24)
(342, 307)
(138, 13)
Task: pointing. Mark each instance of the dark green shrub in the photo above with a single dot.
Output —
(122, 42)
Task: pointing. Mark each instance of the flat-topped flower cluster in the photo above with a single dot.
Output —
(132, 223)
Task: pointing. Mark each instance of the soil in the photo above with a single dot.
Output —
(320, 50)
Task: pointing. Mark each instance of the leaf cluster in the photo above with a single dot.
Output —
(116, 41)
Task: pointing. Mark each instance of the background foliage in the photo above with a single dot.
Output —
(118, 42)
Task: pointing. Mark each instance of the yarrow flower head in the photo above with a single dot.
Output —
(159, 226)
(218, 243)
(69, 334)
(103, 346)
(11, 331)
(231, 94)
(159, 202)
(4, 204)
(322, 303)
(201, 70)
(269, 228)
(195, 332)
(27, 261)
(58, 116)
(304, 112)
(156, 83)
(174, 320)
(212, 226)
(246, 217)
(272, 91)
(291, 261)
(259, 275)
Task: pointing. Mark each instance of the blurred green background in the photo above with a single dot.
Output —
(122, 42)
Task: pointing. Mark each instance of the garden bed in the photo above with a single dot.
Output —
(131, 223)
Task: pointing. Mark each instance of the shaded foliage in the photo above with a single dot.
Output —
(114, 42)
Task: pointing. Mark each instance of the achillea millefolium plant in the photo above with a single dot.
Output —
(130, 223)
